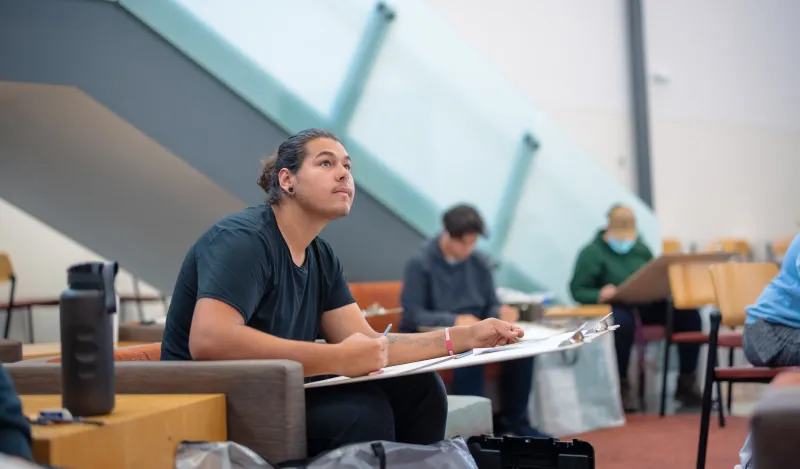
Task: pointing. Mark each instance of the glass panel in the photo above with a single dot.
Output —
(438, 114)
(307, 44)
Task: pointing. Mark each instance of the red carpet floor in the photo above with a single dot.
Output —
(649, 442)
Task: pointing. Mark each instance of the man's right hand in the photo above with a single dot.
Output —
(606, 293)
(359, 355)
(466, 320)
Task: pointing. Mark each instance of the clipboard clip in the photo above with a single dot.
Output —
(577, 337)
(602, 325)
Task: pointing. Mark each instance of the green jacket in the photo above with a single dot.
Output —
(598, 266)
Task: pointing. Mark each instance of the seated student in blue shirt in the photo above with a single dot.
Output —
(448, 284)
(772, 328)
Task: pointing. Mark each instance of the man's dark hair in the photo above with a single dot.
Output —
(463, 220)
(290, 155)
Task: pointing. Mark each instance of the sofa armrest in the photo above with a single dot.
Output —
(10, 350)
(265, 399)
(775, 418)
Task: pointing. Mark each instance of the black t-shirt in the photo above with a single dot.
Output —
(244, 261)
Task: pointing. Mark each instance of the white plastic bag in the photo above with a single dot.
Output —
(447, 454)
(577, 391)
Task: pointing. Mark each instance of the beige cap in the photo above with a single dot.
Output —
(622, 224)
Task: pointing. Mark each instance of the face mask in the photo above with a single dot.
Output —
(621, 246)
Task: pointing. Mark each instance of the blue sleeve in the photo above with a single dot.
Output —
(15, 431)
(234, 267)
(416, 302)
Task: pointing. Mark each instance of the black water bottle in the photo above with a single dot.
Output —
(87, 342)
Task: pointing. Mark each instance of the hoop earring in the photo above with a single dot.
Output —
(291, 190)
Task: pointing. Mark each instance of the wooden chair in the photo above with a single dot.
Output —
(671, 246)
(777, 249)
(7, 276)
(385, 294)
(691, 288)
(736, 286)
(740, 246)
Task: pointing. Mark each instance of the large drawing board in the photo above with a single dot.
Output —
(499, 354)
(651, 282)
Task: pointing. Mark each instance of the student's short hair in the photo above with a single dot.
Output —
(463, 220)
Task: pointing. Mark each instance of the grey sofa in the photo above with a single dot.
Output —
(265, 398)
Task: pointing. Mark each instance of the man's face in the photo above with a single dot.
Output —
(323, 184)
(622, 224)
(461, 248)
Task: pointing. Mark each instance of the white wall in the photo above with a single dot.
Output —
(726, 124)
(40, 257)
(568, 57)
(724, 128)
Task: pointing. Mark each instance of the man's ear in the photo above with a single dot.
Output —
(286, 179)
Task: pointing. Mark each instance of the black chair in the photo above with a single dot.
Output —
(736, 285)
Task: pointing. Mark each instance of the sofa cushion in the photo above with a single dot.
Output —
(139, 353)
(468, 416)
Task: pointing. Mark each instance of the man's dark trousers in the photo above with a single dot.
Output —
(516, 380)
(408, 409)
(655, 313)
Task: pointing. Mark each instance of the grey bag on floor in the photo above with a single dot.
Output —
(447, 454)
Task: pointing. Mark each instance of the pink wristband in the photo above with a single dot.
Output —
(447, 341)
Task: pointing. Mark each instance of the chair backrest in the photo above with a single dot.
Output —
(690, 285)
(386, 294)
(671, 245)
(739, 246)
(780, 246)
(738, 285)
(6, 270)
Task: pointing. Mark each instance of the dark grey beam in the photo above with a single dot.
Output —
(641, 112)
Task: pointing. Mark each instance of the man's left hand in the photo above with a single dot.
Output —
(493, 332)
(508, 313)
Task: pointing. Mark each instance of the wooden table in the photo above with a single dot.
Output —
(53, 349)
(582, 311)
(143, 431)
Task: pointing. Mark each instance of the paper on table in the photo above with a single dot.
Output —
(534, 335)
(537, 331)
(509, 296)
